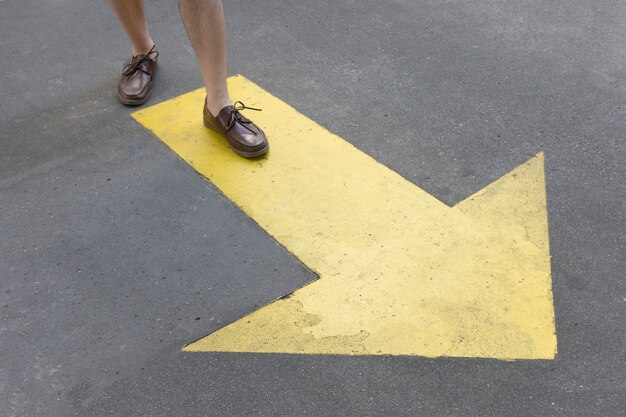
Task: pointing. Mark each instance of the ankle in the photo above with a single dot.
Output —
(144, 48)
(214, 105)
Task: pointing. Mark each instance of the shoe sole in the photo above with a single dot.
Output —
(138, 102)
(133, 103)
(238, 152)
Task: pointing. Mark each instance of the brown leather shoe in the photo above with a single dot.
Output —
(135, 86)
(244, 137)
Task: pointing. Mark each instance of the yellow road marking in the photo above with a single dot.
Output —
(401, 273)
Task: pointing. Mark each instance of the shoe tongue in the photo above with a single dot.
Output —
(226, 110)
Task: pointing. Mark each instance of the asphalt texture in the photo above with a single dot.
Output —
(114, 253)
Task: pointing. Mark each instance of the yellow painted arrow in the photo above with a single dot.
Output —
(401, 273)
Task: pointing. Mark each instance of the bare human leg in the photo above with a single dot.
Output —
(204, 22)
(130, 14)
(135, 85)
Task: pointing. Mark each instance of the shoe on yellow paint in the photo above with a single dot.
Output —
(244, 137)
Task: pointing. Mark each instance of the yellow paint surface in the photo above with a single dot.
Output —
(401, 273)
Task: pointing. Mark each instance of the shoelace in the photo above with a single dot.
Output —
(235, 117)
(135, 63)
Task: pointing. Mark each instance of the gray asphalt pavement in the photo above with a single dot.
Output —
(114, 253)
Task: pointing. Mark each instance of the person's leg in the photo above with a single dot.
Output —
(137, 80)
(204, 21)
(131, 16)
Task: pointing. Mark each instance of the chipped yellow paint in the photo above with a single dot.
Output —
(401, 273)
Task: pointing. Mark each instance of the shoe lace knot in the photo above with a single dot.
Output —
(234, 116)
(137, 61)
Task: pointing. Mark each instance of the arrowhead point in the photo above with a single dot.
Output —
(512, 212)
